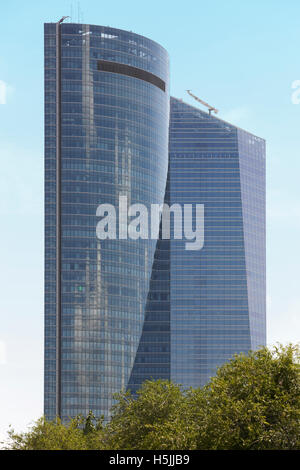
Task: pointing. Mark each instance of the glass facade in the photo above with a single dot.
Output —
(106, 135)
(153, 358)
(217, 294)
(215, 306)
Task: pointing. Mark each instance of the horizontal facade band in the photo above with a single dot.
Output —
(123, 69)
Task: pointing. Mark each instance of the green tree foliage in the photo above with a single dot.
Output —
(159, 418)
(253, 402)
(79, 434)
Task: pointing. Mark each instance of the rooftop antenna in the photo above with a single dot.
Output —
(210, 108)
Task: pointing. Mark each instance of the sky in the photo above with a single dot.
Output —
(241, 57)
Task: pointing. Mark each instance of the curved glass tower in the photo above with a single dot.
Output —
(106, 135)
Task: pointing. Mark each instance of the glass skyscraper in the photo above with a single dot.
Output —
(118, 312)
(106, 135)
(216, 302)
(218, 293)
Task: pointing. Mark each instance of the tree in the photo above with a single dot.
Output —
(253, 402)
(158, 418)
(78, 434)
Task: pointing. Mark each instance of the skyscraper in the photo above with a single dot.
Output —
(106, 135)
(217, 293)
(118, 312)
(216, 303)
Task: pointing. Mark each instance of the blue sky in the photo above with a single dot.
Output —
(241, 57)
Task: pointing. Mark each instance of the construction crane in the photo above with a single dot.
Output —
(63, 19)
(210, 108)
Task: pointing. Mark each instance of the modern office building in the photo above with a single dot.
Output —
(218, 293)
(216, 304)
(118, 312)
(106, 135)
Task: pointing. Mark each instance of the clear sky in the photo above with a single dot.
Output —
(240, 56)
